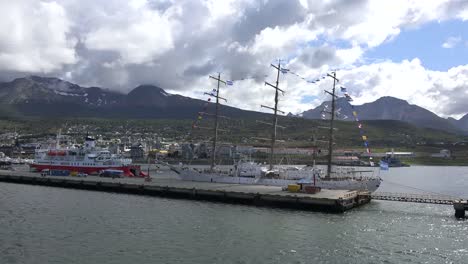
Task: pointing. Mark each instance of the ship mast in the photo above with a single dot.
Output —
(332, 119)
(275, 112)
(215, 128)
(57, 142)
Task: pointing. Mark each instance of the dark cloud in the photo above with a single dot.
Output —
(316, 57)
(160, 5)
(337, 15)
(264, 14)
(453, 102)
(197, 70)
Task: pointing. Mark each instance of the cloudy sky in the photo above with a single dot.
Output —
(414, 50)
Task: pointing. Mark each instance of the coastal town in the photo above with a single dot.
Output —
(17, 148)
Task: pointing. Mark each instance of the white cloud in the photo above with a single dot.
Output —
(34, 37)
(139, 35)
(383, 20)
(443, 92)
(280, 39)
(176, 44)
(451, 42)
(463, 15)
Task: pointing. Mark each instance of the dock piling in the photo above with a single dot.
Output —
(460, 207)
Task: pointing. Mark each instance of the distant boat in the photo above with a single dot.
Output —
(394, 162)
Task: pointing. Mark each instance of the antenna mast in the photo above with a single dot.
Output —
(275, 112)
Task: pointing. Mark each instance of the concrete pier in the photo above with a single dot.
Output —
(258, 195)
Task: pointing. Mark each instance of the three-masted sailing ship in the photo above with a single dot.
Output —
(248, 172)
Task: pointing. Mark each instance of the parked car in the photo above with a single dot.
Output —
(111, 173)
(49, 172)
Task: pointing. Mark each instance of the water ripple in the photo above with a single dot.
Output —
(52, 225)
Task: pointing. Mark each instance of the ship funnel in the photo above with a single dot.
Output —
(89, 142)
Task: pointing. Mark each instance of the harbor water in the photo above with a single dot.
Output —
(52, 225)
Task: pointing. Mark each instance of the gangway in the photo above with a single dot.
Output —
(414, 197)
(460, 205)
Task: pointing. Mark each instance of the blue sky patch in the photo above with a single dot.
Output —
(308, 99)
(426, 43)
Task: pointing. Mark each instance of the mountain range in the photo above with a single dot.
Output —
(35, 96)
(51, 97)
(390, 108)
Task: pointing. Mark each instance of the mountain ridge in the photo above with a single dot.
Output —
(53, 97)
(391, 108)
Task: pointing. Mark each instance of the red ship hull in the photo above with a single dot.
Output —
(129, 171)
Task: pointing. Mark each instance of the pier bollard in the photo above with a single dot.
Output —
(460, 206)
(460, 213)
(256, 199)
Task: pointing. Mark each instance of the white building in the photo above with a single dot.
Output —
(444, 153)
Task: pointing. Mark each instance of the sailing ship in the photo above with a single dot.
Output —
(344, 178)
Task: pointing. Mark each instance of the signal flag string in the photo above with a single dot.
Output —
(204, 109)
(364, 137)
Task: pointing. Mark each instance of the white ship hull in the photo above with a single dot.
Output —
(369, 184)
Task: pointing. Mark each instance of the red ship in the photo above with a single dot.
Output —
(88, 159)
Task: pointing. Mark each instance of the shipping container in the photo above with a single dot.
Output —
(294, 188)
(311, 189)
